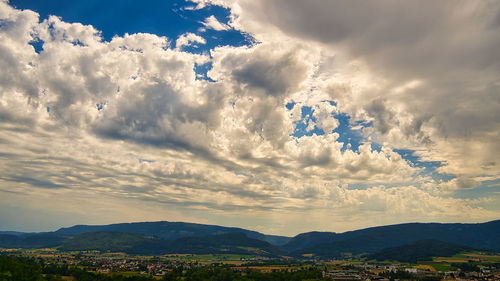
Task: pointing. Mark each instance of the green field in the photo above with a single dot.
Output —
(444, 263)
(471, 256)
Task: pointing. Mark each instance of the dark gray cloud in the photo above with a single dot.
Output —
(34, 182)
(276, 76)
(383, 117)
(450, 45)
(276, 70)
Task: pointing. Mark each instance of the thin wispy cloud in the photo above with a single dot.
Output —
(212, 23)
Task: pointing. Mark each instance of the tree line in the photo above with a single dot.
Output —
(33, 269)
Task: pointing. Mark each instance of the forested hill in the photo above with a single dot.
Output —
(171, 230)
(421, 250)
(132, 243)
(371, 240)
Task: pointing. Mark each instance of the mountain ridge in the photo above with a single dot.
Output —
(373, 239)
(133, 243)
(171, 230)
(199, 238)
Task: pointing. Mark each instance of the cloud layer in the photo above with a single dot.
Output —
(127, 128)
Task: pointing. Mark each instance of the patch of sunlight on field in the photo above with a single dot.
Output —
(466, 257)
(425, 267)
(441, 266)
(448, 259)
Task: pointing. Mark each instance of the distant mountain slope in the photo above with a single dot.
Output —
(108, 241)
(37, 240)
(419, 251)
(236, 243)
(170, 230)
(17, 233)
(132, 243)
(7, 240)
(309, 239)
(356, 245)
(370, 240)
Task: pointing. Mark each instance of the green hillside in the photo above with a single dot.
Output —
(132, 243)
(234, 243)
(374, 239)
(419, 251)
(115, 242)
(171, 230)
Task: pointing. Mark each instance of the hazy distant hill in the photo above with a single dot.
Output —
(371, 240)
(115, 242)
(7, 240)
(17, 233)
(132, 243)
(309, 239)
(171, 230)
(236, 243)
(37, 240)
(419, 251)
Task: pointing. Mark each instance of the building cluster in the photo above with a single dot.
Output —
(100, 264)
(381, 272)
(333, 270)
(143, 266)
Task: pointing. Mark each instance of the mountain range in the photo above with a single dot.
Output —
(383, 242)
(171, 230)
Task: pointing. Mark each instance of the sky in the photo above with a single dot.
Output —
(276, 116)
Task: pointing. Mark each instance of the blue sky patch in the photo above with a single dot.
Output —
(351, 138)
(306, 118)
(290, 105)
(429, 166)
(37, 44)
(346, 134)
(201, 71)
(376, 147)
(487, 188)
(163, 18)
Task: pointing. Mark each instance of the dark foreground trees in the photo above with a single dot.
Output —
(227, 274)
(30, 269)
(22, 269)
